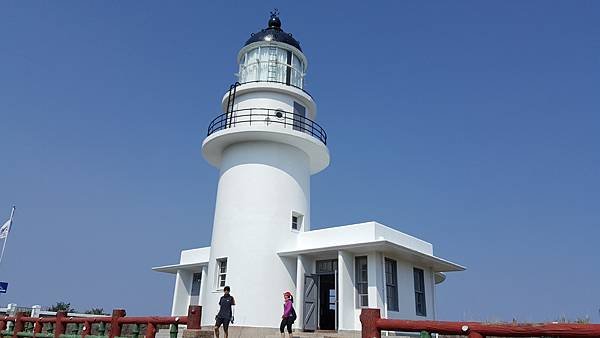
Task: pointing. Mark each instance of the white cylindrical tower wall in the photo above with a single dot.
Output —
(274, 100)
(261, 185)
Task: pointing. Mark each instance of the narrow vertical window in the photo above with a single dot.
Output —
(296, 221)
(362, 282)
(221, 272)
(196, 284)
(300, 118)
(391, 284)
(420, 306)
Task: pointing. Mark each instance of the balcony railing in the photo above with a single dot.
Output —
(267, 117)
(279, 82)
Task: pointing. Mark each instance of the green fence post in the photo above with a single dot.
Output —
(135, 331)
(50, 328)
(101, 329)
(173, 330)
(74, 329)
(425, 334)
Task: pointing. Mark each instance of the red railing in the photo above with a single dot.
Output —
(373, 324)
(56, 327)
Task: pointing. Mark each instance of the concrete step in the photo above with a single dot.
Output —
(247, 332)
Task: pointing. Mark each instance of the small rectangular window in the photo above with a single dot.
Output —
(391, 284)
(196, 285)
(299, 122)
(420, 306)
(362, 282)
(296, 221)
(221, 272)
(196, 282)
(327, 266)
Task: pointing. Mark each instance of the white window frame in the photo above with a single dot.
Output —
(299, 221)
(356, 281)
(393, 284)
(418, 292)
(220, 273)
(245, 63)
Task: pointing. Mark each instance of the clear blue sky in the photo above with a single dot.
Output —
(473, 125)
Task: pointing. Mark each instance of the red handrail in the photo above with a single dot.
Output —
(373, 324)
(116, 321)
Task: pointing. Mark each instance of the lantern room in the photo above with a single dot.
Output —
(272, 55)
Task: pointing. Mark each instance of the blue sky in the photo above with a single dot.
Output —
(473, 125)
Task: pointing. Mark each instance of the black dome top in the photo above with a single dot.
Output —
(274, 33)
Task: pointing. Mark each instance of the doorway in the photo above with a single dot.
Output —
(327, 302)
(320, 297)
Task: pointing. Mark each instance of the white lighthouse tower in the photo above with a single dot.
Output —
(266, 146)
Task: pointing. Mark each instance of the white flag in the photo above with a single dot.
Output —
(5, 229)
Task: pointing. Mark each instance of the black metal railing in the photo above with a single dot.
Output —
(280, 82)
(266, 117)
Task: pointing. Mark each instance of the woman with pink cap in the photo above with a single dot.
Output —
(289, 314)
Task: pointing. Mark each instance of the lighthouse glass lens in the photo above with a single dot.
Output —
(270, 63)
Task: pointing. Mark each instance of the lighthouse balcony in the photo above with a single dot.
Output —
(272, 118)
(266, 125)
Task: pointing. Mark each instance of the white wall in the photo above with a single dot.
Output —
(346, 291)
(193, 256)
(376, 284)
(271, 100)
(181, 295)
(349, 314)
(260, 184)
(406, 292)
(360, 233)
(303, 267)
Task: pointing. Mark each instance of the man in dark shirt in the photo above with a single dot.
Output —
(225, 314)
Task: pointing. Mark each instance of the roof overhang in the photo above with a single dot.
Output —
(176, 267)
(435, 263)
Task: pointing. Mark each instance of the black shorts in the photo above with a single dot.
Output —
(286, 322)
(224, 321)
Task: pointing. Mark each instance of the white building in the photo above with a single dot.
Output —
(266, 146)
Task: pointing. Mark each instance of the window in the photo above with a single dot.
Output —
(327, 266)
(420, 306)
(196, 283)
(362, 283)
(271, 63)
(221, 272)
(288, 70)
(300, 118)
(296, 221)
(391, 284)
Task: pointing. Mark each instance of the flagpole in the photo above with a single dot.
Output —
(12, 213)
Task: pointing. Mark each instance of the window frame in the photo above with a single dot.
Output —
(289, 74)
(391, 287)
(326, 266)
(420, 297)
(358, 268)
(220, 273)
(299, 221)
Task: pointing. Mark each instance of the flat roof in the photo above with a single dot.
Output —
(174, 267)
(368, 237)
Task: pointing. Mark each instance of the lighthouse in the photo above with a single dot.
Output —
(266, 144)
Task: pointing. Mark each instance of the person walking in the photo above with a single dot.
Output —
(289, 314)
(225, 314)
